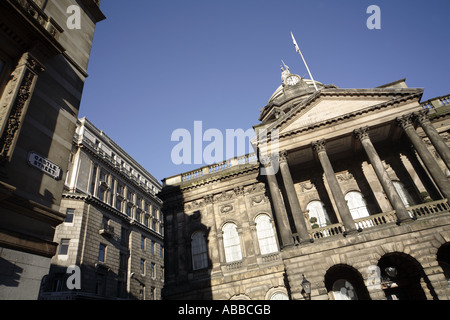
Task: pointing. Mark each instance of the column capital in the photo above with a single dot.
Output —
(319, 146)
(361, 133)
(405, 121)
(265, 161)
(283, 156)
(421, 116)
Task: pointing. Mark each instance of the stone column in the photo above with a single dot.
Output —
(441, 147)
(284, 228)
(402, 213)
(433, 168)
(338, 196)
(299, 219)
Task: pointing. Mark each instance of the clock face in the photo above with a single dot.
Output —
(292, 80)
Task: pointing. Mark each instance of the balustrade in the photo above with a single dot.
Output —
(428, 208)
(327, 231)
(192, 175)
(376, 220)
(417, 211)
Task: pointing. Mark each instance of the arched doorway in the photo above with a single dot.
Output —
(344, 282)
(402, 277)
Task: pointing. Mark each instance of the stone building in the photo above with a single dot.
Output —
(113, 229)
(345, 198)
(43, 63)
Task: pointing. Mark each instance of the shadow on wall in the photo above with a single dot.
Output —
(10, 273)
(187, 259)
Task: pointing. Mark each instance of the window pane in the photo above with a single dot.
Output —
(64, 246)
(101, 253)
(357, 205)
(266, 235)
(318, 216)
(69, 215)
(231, 243)
(199, 251)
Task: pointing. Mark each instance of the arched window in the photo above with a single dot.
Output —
(356, 204)
(279, 296)
(265, 234)
(318, 216)
(199, 251)
(231, 243)
(403, 193)
(344, 290)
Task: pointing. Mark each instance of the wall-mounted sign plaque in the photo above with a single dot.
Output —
(44, 165)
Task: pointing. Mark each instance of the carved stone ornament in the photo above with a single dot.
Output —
(258, 200)
(404, 121)
(361, 133)
(224, 196)
(283, 156)
(15, 102)
(344, 176)
(239, 190)
(307, 186)
(421, 116)
(319, 146)
(194, 205)
(209, 199)
(265, 161)
(226, 208)
(254, 188)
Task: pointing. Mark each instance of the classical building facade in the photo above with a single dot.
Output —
(345, 198)
(43, 63)
(113, 231)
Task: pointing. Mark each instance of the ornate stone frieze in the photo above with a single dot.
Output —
(255, 188)
(194, 205)
(15, 102)
(225, 196)
(239, 191)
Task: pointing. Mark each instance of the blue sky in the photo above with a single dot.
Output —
(160, 65)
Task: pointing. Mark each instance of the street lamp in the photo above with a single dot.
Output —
(306, 285)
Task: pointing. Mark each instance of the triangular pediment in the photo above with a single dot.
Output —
(329, 106)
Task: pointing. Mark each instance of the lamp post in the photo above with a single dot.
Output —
(306, 285)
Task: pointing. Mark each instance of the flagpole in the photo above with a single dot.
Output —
(304, 61)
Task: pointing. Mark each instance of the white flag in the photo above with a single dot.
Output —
(295, 43)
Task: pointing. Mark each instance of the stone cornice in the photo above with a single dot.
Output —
(213, 178)
(118, 171)
(126, 219)
(343, 117)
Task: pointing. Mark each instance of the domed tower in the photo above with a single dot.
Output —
(293, 89)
